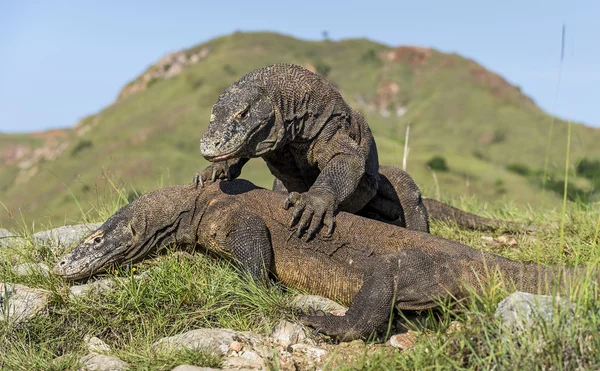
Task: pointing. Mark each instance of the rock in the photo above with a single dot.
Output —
(98, 286)
(96, 345)
(215, 340)
(287, 333)
(246, 360)
(455, 326)
(521, 310)
(20, 303)
(194, 368)
(307, 356)
(27, 269)
(65, 236)
(406, 340)
(236, 346)
(9, 239)
(315, 302)
(99, 362)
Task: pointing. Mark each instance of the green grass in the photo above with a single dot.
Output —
(456, 109)
(184, 290)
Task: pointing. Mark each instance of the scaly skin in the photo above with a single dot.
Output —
(320, 148)
(370, 265)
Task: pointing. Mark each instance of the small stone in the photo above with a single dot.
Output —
(27, 269)
(315, 302)
(522, 310)
(20, 303)
(98, 286)
(506, 240)
(65, 236)
(454, 326)
(247, 360)
(403, 341)
(214, 340)
(96, 345)
(314, 353)
(287, 333)
(236, 346)
(194, 368)
(99, 362)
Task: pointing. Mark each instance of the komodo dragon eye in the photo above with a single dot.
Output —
(97, 240)
(244, 113)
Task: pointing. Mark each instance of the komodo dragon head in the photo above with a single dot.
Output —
(109, 244)
(242, 123)
(151, 221)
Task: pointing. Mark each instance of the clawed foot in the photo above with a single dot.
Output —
(330, 325)
(312, 210)
(218, 170)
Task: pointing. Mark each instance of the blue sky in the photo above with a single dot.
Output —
(61, 60)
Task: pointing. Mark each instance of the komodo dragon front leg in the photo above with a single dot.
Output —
(342, 167)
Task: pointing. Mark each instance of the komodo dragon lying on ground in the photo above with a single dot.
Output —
(319, 148)
(370, 264)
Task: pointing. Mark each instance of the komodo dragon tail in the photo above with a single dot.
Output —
(443, 212)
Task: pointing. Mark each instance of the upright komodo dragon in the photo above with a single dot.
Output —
(319, 148)
(370, 264)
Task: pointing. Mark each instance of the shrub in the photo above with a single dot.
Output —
(81, 146)
(519, 169)
(437, 163)
(323, 69)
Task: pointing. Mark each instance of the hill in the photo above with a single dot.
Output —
(490, 136)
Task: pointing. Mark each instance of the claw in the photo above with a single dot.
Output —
(201, 179)
(195, 181)
(297, 214)
(305, 221)
(214, 174)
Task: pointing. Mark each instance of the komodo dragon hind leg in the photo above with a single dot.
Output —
(369, 311)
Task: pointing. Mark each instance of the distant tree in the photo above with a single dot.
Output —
(325, 35)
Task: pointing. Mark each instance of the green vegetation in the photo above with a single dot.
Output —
(184, 290)
(438, 163)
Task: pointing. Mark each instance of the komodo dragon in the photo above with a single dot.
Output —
(319, 148)
(370, 264)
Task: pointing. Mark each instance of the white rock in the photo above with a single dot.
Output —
(313, 353)
(20, 303)
(27, 269)
(215, 340)
(287, 333)
(521, 310)
(306, 302)
(248, 359)
(98, 286)
(99, 362)
(96, 345)
(9, 239)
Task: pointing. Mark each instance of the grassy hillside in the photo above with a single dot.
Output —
(149, 137)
